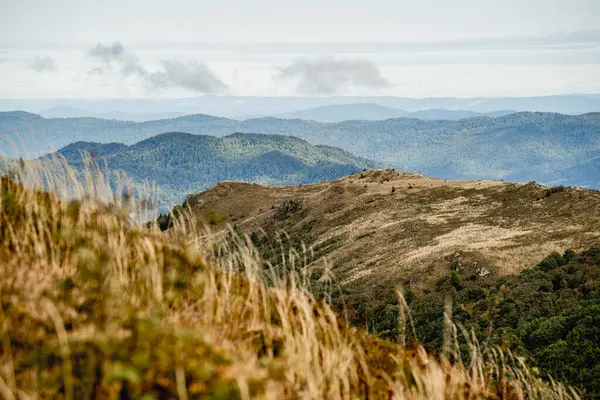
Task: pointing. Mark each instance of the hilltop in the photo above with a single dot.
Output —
(399, 228)
(344, 112)
(546, 147)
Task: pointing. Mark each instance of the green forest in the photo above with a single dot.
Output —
(181, 163)
(549, 314)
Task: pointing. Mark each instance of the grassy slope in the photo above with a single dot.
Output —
(411, 223)
(431, 238)
(94, 307)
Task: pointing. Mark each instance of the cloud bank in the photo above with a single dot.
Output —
(193, 75)
(328, 75)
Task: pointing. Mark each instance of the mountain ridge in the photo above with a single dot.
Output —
(375, 232)
(519, 261)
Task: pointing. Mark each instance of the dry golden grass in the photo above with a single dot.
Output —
(94, 305)
(410, 223)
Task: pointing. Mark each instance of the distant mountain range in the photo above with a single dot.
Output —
(545, 147)
(74, 112)
(375, 112)
(233, 106)
(181, 163)
(328, 113)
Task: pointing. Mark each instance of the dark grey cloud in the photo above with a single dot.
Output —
(328, 75)
(193, 75)
(43, 64)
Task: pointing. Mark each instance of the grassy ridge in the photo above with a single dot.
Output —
(548, 313)
(94, 306)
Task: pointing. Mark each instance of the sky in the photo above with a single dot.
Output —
(409, 48)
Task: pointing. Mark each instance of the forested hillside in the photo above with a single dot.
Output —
(545, 147)
(181, 163)
(549, 313)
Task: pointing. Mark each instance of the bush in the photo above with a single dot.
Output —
(555, 189)
(455, 280)
(287, 208)
(551, 262)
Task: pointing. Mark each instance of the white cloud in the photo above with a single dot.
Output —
(455, 73)
(328, 75)
(193, 75)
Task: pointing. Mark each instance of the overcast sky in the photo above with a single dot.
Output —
(416, 48)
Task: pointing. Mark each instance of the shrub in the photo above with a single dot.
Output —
(551, 262)
(549, 315)
(287, 208)
(555, 189)
(455, 279)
